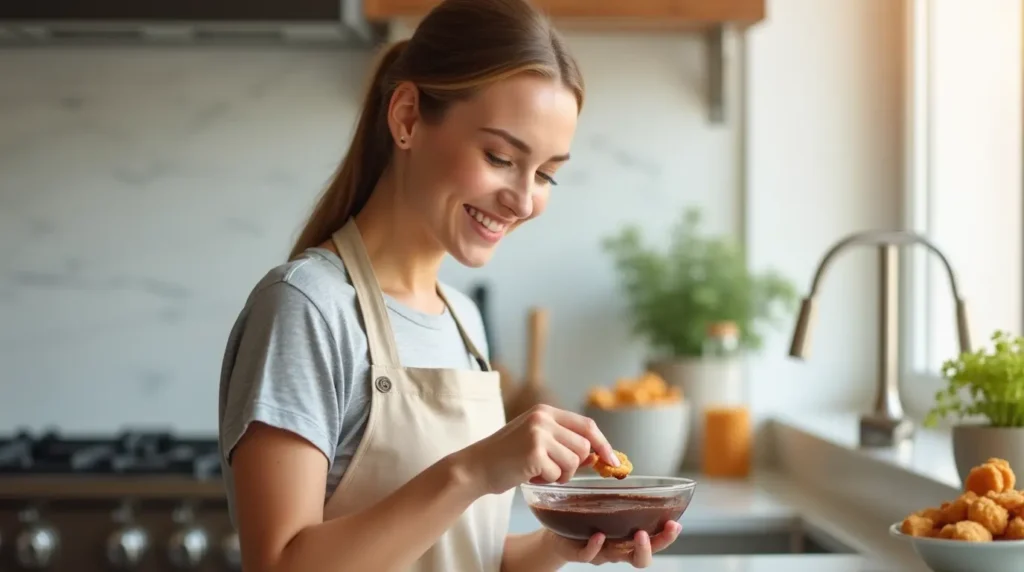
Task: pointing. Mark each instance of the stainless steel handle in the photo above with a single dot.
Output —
(127, 547)
(188, 547)
(37, 546)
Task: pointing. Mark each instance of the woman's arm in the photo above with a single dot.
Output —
(280, 480)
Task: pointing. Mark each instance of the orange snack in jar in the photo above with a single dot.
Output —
(728, 442)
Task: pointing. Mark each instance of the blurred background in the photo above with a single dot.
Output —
(149, 177)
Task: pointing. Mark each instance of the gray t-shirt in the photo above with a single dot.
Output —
(297, 357)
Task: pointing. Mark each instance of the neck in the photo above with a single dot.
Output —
(405, 258)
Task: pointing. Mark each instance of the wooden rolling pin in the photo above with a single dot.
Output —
(533, 390)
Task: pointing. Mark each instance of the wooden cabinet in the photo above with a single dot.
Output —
(608, 14)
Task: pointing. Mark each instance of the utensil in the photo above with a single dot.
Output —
(943, 555)
(533, 390)
(481, 295)
(618, 509)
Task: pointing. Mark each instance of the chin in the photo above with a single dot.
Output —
(473, 258)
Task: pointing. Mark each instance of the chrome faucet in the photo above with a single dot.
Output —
(887, 424)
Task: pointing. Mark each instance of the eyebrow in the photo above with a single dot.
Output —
(519, 143)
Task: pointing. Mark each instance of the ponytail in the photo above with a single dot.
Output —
(367, 156)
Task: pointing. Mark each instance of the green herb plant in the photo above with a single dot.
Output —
(673, 294)
(984, 383)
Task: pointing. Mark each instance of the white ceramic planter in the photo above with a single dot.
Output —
(973, 444)
(704, 382)
(654, 438)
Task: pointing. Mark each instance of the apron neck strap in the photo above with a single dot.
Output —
(379, 336)
(484, 364)
(371, 300)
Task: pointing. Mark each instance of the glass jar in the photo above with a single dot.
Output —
(727, 427)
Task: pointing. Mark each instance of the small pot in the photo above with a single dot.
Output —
(654, 438)
(973, 444)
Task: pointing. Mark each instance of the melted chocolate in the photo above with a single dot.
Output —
(618, 516)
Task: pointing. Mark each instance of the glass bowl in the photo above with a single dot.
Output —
(587, 505)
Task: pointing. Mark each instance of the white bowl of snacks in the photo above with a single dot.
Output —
(982, 530)
(646, 417)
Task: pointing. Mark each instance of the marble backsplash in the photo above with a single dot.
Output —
(144, 191)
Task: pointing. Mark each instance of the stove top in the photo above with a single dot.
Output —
(129, 453)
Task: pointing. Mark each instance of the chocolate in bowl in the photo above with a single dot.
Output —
(618, 509)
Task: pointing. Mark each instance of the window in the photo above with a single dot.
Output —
(964, 185)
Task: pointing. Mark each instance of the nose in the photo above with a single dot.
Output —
(517, 201)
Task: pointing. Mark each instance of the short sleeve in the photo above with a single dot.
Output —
(285, 371)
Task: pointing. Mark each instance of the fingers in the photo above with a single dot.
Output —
(575, 442)
(642, 554)
(589, 552)
(586, 427)
(565, 459)
(666, 537)
(550, 461)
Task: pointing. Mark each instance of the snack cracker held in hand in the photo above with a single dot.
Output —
(605, 470)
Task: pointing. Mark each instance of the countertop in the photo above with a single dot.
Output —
(768, 501)
(804, 563)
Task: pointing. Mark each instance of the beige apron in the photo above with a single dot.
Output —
(418, 416)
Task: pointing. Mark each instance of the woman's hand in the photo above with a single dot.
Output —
(543, 445)
(639, 552)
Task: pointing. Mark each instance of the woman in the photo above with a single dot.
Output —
(360, 425)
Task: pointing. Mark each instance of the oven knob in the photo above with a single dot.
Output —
(232, 551)
(187, 547)
(37, 547)
(127, 546)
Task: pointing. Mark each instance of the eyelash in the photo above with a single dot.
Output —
(499, 162)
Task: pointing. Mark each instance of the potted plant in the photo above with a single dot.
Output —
(676, 294)
(984, 396)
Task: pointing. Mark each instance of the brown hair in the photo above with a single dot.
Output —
(460, 47)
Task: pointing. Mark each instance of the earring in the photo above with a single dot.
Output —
(401, 140)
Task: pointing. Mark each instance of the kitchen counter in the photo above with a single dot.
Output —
(770, 501)
(773, 563)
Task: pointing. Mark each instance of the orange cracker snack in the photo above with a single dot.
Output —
(1009, 478)
(605, 470)
(966, 530)
(986, 477)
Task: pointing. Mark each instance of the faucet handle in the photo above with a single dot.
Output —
(963, 326)
(801, 344)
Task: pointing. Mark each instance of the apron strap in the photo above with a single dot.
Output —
(371, 300)
(484, 364)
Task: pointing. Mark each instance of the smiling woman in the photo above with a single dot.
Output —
(361, 426)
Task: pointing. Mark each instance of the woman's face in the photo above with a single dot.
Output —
(489, 165)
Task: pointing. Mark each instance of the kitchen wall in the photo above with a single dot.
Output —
(144, 192)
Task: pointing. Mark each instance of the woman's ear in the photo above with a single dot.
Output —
(404, 114)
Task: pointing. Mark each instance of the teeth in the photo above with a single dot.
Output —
(486, 221)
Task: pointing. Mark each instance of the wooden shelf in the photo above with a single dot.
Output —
(667, 15)
(709, 18)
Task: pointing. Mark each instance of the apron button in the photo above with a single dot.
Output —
(383, 384)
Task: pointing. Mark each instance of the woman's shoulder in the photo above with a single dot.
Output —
(316, 276)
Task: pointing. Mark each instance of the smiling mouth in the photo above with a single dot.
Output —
(486, 221)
